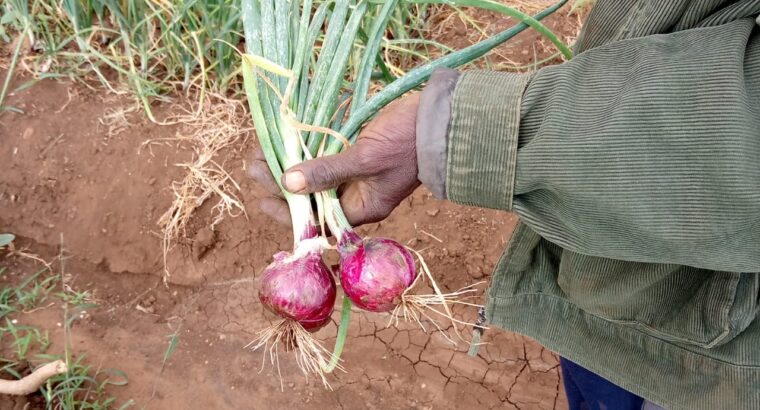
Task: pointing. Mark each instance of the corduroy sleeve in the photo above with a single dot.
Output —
(644, 150)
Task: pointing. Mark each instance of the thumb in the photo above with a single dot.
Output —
(322, 173)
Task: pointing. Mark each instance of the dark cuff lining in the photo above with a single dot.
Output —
(433, 118)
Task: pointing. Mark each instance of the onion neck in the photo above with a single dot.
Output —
(338, 223)
(302, 218)
(301, 214)
(306, 239)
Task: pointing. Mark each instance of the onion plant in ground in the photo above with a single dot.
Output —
(153, 48)
(307, 101)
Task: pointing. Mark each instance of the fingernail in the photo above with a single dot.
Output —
(295, 181)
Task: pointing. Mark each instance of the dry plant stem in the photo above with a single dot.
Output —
(311, 357)
(32, 382)
(23, 254)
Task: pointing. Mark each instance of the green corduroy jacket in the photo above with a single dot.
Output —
(635, 170)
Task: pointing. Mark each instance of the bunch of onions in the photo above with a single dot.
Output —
(293, 93)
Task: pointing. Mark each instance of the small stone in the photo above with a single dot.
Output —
(475, 272)
(433, 212)
(475, 262)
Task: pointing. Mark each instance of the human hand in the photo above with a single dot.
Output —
(373, 176)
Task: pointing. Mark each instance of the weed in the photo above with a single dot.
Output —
(76, 298)
(29, 293)
(82, 387)
(24, 339)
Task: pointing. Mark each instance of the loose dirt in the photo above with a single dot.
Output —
(76, 173)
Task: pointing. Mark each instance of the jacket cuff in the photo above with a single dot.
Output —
(433, 115)
(482, 138)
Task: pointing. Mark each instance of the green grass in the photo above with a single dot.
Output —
(25, 346)
(24, 339)
(82, 387)
(32, 291)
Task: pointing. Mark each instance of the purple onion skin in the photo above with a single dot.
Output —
(301, 289)
(375, 272)
(310, 231)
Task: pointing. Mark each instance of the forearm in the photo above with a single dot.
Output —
(644, 149)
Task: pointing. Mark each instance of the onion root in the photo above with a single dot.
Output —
(311, 357)
(415, 308)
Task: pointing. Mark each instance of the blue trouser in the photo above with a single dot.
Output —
(588, 391)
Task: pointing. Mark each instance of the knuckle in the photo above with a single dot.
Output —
(322, 175)
(275, 209)
(373, 132)
(254, 171)
(376, 211)
(365, 159)
(366, 163)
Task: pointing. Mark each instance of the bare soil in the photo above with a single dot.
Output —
(68, 181)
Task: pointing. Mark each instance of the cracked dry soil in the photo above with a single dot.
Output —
(65, 179)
